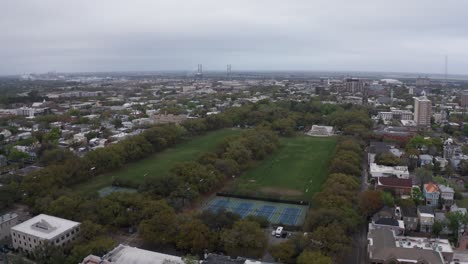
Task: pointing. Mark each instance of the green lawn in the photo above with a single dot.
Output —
(159, 164)
(463, 203)
(296, 170)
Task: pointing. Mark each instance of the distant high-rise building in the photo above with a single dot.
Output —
(422, 81)
(357, 86)
(199, 74)
(464, 99)
(354, 85)
(422, 111)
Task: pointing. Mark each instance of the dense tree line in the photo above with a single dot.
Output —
(209, 171)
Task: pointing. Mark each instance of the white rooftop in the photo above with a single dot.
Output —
(45, 226)
(7, 217)
(441, 245)
(445, 189)
(123, 254)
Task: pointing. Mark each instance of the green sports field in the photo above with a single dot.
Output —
(159, 164)
(294, 171)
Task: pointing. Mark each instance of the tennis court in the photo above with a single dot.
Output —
(112, 189)
(276, 213)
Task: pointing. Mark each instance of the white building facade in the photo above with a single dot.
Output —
(41, 229)
(422, 111)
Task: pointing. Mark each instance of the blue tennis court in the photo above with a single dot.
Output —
(266, 211)
(218, 205)
(289, 216)
(243, 209)
(275, 213)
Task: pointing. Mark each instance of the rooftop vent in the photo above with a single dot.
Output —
(43, 226)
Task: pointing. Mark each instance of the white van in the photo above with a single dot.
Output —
(279, 231)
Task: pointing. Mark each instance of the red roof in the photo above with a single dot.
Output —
(395, 182)
(431, 187)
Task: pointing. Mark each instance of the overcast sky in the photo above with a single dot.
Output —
(134, 35)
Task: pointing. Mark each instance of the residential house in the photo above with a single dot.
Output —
(80, 137)
(395, 185)
(425, 160)
(431, 194)
(455, 208)
(442, 162)
(426, 218)
(446, 195)
(410, 217)
(450, 150)
(457, 159)
(385, 212)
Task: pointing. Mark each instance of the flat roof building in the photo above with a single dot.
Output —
(385, 247)
(33, 232)
(422, 111)
(124, 254)
(377, 171)
(321, 131)
(464, 99)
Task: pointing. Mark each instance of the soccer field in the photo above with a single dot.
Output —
(159, 164)
(296, 170)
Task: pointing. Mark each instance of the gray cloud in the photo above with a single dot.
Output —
(107, 35)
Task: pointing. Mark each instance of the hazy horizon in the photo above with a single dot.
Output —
(256, 35)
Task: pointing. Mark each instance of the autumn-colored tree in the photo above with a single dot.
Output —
(370, 202)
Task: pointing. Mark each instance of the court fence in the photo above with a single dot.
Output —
(273, 200)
